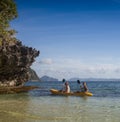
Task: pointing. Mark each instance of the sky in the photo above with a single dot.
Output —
(76, 38)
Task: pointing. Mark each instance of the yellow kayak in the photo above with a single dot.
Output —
(57, 92)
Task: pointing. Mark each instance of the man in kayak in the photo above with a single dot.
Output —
(85, 87)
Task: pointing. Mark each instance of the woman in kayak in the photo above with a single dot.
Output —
(67, 87)
(85, 87)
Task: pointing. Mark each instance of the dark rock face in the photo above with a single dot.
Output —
(15, 61)
(34, 76)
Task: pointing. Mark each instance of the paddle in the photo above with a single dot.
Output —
(63, 84)
(78, 81)
(63, 80)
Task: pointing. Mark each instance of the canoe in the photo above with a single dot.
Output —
(57, 92)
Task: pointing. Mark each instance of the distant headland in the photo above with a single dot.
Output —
(48, 78)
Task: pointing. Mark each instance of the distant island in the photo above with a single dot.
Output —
(48, 78)
(35, 77)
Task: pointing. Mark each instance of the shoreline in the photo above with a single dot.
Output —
(16, 89)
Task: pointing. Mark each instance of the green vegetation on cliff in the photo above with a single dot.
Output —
(8, 12)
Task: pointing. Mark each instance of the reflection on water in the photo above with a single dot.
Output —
(25, 108)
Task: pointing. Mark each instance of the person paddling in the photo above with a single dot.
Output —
(67, 87)
(85, 87)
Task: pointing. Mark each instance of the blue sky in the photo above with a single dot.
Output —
(76, 38)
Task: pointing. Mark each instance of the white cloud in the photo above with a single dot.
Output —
(67, 68)
(117, 70)
(48, 61)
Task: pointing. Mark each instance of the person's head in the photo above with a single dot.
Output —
(66, 83)
(84, 83)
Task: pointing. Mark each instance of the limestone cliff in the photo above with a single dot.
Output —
(15, 61)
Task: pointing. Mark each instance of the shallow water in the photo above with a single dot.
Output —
(40, 106)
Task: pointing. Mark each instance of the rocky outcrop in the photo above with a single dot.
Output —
(34, 76)
(15, 62)
(18, 89)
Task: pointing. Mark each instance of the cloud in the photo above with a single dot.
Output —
(67, 68)
(117, 70)
(47, 61)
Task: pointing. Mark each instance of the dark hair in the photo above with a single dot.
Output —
(66, 83)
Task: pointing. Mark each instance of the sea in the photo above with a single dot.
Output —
(39, 105)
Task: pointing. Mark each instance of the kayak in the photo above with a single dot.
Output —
(57, 92)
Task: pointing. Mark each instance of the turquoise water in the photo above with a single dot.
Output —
(40, 106)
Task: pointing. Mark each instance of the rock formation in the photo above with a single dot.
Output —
(33, 75)
(15, 62)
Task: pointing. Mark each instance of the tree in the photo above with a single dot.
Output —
(8, 12)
